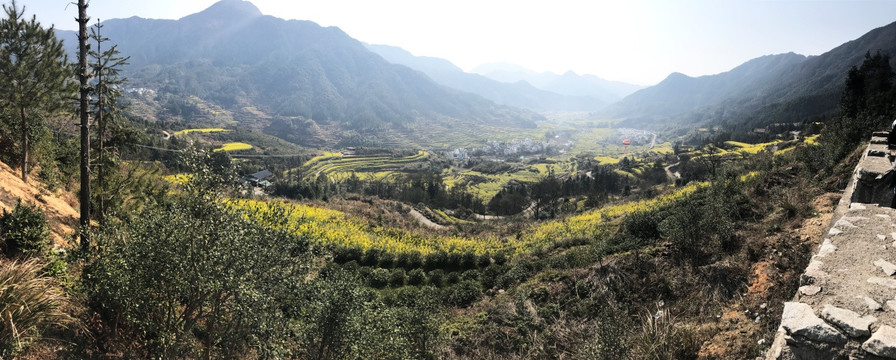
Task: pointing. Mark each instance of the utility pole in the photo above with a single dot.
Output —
(85, 119)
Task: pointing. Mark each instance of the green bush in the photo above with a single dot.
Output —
(436, 260)
(193, 278)
(437, 278)
(387, 260)
(343, 255)
(484, 260)
(397, 278)
(379, 278)
(416, 277)
(371, 257)
(24, 231)
(463, 294)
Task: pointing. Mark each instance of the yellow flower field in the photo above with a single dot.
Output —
(203, 130)
(234, 146)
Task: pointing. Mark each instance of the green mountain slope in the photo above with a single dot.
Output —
(785, 88)
(293, 72)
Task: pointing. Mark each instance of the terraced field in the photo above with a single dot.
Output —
(331, 227)
(202, 130)
(337, 166)
(234, 146)
(487, 185)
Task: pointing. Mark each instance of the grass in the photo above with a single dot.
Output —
(29, 303)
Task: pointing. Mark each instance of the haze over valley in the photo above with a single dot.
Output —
(255, 185)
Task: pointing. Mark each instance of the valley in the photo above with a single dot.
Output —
(261, 187)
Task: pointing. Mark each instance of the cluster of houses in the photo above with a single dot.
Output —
(511, 148)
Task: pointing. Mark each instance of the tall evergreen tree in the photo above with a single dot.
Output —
(107, 88)
(33, 67)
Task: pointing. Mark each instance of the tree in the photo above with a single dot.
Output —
(106, 67)
(33, 66)
(547, 195)
(83, 77)
(866, 105)
(194, 277)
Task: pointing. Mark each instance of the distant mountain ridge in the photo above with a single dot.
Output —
(569, 83)
(302, 75)
(518, 94)
(784, 88)
(679, 93)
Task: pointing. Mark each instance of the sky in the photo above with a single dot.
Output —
(635, 41)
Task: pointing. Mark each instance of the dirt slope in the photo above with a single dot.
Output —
(62, 216)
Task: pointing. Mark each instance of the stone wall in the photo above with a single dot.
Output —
(845, 307)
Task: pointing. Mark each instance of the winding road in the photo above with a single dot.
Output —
(425, 221)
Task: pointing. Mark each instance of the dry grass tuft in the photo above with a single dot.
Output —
(29, 303)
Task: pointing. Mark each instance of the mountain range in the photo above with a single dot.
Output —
(317, 86)
(784, 88)
(569, 83)
(545, 92)
(314, 85)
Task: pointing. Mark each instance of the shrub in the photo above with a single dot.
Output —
(371, 257)
(29, 303)
(500, 258)
(343, 255)
(24, 231)
(453, 277)
(436, 260)
(379, 278)
(468, 260)
(437, 278)
(416, 277)
(491, 274)
(484, 260)
(193, 278)
(463, 294)
(397, 278)
(387, 259)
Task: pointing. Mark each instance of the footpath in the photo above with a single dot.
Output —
(845, 307)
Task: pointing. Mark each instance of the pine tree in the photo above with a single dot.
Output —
(107, 111)
(34, 72)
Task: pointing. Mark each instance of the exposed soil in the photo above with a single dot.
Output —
(749, 324)
(61, 214)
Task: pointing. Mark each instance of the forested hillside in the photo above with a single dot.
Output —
(786, 88)
(565, 239)
(295, 73)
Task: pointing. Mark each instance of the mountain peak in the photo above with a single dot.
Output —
(228, 11)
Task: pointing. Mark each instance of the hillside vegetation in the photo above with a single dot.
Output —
(562, 240)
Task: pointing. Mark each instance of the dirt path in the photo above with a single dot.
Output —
(425, 221)
(669, 174)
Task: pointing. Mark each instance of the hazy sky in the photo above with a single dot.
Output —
(634, 41)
